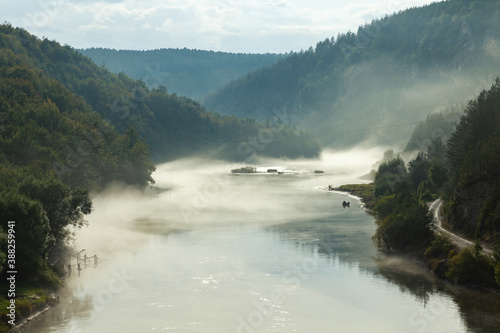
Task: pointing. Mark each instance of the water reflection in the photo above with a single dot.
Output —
(348, 244)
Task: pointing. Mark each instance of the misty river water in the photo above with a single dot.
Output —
(219, 252)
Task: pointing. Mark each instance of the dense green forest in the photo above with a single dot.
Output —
(376, 82)
(173, 126)
(54, 150)
(191, 73)
(68, 128)
(465, 173)
(474, 160)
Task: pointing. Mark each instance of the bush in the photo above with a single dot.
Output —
(390, 177)
(441, 247)
(470, 267)
(409, 226)
(497, 273)
(385, 206)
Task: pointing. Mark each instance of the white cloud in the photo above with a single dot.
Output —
(228, 25)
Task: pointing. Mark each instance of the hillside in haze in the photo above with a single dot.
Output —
(375, 84)
(191, 73)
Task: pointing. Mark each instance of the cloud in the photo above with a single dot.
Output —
(228, 25)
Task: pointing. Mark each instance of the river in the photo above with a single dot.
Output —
(218, 252)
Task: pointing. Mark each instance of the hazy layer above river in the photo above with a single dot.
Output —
(212, 251)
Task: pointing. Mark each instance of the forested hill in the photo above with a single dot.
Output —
(378, 81)
(173, 126)
(473, 198)
(54, 150)
(192, 73)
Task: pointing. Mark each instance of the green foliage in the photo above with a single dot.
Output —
(3, 246)
(497, 273)
(385, 206)
(364, 191)
(418, 169)
(440, 247)
(390, 176)
(407, 226)
(172, 126)
(474, 180)
(29, 301)
(32, 232)
(437, 176)
(62, 205)
(471, 267)
(64, 136)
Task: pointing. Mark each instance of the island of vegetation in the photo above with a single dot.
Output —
(247, 169)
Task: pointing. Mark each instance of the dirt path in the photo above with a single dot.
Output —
(459, 241)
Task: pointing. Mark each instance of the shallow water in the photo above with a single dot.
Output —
(218, 252)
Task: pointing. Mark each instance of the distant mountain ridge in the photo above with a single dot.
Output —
(191, 73)
(373, 84)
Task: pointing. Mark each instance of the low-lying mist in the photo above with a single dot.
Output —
(380, 103)
(195, 193)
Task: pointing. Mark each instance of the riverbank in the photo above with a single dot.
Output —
(30, 302)
(365, 192)
(466, 264)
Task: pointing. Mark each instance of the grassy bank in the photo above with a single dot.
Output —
(364, 191)
(29, 300)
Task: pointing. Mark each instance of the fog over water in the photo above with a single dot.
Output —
(211, 251)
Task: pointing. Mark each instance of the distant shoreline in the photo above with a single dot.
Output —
(361, 192)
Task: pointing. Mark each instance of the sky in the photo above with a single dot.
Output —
(238, 26)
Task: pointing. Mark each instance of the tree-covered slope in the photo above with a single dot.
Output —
(173, 126)
(373, 83)
(474, 155)
(191, 73)
(54, 150)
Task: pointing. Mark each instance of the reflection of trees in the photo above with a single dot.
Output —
(330, 239)
(409, 276)
(480, 310)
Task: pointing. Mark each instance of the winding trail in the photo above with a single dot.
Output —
(459, 241)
